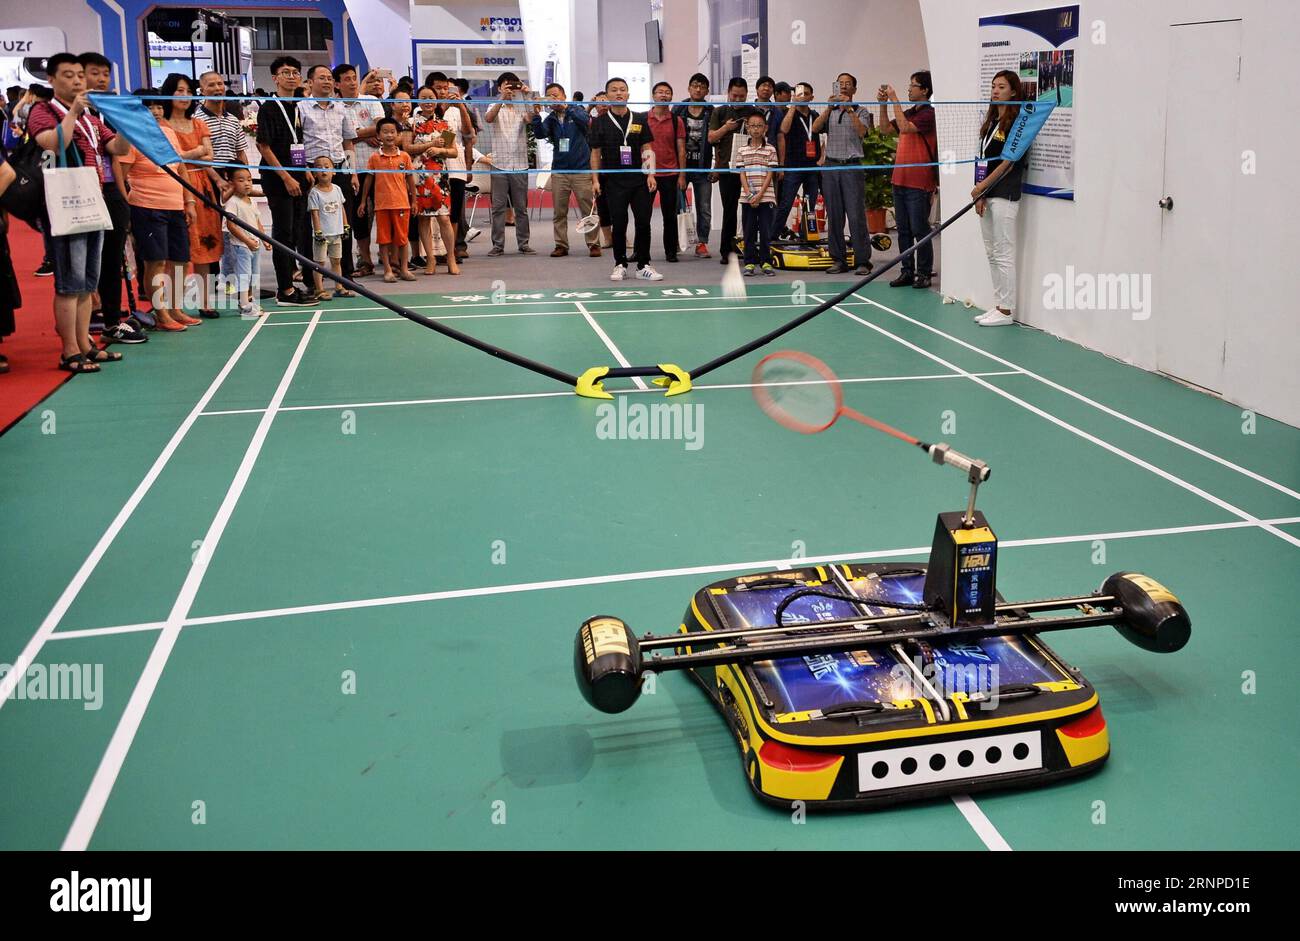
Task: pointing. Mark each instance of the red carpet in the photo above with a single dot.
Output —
(33, 348)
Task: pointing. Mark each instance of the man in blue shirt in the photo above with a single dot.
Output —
(566, 129)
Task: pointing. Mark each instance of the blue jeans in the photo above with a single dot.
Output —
(912, 215)
(245, 268)
(810, 180)
(758, 233)
(703, 196)
(76, 262)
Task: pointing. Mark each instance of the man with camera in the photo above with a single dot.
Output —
(845, 124)
(507, 125)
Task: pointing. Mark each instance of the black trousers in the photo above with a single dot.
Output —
(667, 186)
(110, 259)
(288, 225)
(621, 197)
(729, 190)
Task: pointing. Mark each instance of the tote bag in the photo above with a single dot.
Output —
(685, 221)
(73, 199)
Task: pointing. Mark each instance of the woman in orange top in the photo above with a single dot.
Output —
(196, 143)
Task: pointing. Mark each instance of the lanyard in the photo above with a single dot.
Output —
(988, 139)
(626, 130)
(88, 128)
(292, 129)
(807, 126)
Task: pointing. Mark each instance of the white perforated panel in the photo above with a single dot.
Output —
(942, 761)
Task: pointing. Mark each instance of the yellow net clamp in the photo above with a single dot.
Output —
(678, 380)
(590, 386)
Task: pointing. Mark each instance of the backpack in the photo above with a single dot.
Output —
(25, 197)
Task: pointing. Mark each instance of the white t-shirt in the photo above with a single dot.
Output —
(245, 211)
(456, 165)
(329, 204)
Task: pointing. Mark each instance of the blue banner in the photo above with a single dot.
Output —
(1025, 128)
(128, 116)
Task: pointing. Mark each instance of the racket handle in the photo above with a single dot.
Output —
(975, 471)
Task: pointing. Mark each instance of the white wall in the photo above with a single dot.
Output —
(1114, 225)
(384, 28)
(878, 41)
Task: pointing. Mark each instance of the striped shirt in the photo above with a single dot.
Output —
(227, 134)
(755, 163)
(843, 142)
(507, 140)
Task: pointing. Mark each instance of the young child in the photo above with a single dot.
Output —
(757, 195)
(244, 247)
(325, 203)
(394, 200)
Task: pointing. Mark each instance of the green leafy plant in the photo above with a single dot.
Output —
(878, 150)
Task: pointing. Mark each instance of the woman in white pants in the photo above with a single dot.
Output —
(997, 200)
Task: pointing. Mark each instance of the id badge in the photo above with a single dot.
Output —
(298, 155)
(810, 149)
(625, 155)
(564, 145)
(981, 170)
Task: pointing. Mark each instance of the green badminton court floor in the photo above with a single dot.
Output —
(330, 566)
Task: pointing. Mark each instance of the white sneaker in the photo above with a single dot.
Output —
(995, 318)
(618, 272)
(648, 274)
(984, 313)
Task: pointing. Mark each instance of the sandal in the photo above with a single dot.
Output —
(77, 363)
(103, 356)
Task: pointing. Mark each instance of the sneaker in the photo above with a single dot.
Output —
(769, 271)
(527, 250)
(417, 261)
(837, 268)
(984, 313)
(143, 319)
(648, 274)
(294, 298)
(496, 251)
(249, 311)
(618, 273)
(672, 258)
(921, 282)
(902, 281)
(702, 251)
(46, 270)
(863, 270)
(123, 332)
(995, 318)
(750, 271)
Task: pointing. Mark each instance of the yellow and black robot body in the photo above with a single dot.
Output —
(806, 249)
(866, 685)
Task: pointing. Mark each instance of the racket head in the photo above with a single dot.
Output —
(798, 391)
(587, 223)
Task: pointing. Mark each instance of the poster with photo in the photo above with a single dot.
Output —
(1039, 46)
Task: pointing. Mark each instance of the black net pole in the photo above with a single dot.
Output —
(767, 338)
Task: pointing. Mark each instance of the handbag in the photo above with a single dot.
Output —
(74, 201)
(686, 235)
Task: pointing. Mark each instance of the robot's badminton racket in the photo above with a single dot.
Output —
(800, 392)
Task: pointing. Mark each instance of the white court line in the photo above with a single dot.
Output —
(653, 574)
(92, 805)
(981, 824)
(609, 344)
(1074, 429)
(69, 595)
(396, 299)
(1281, 488)
(547, 313)
(569, 395)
